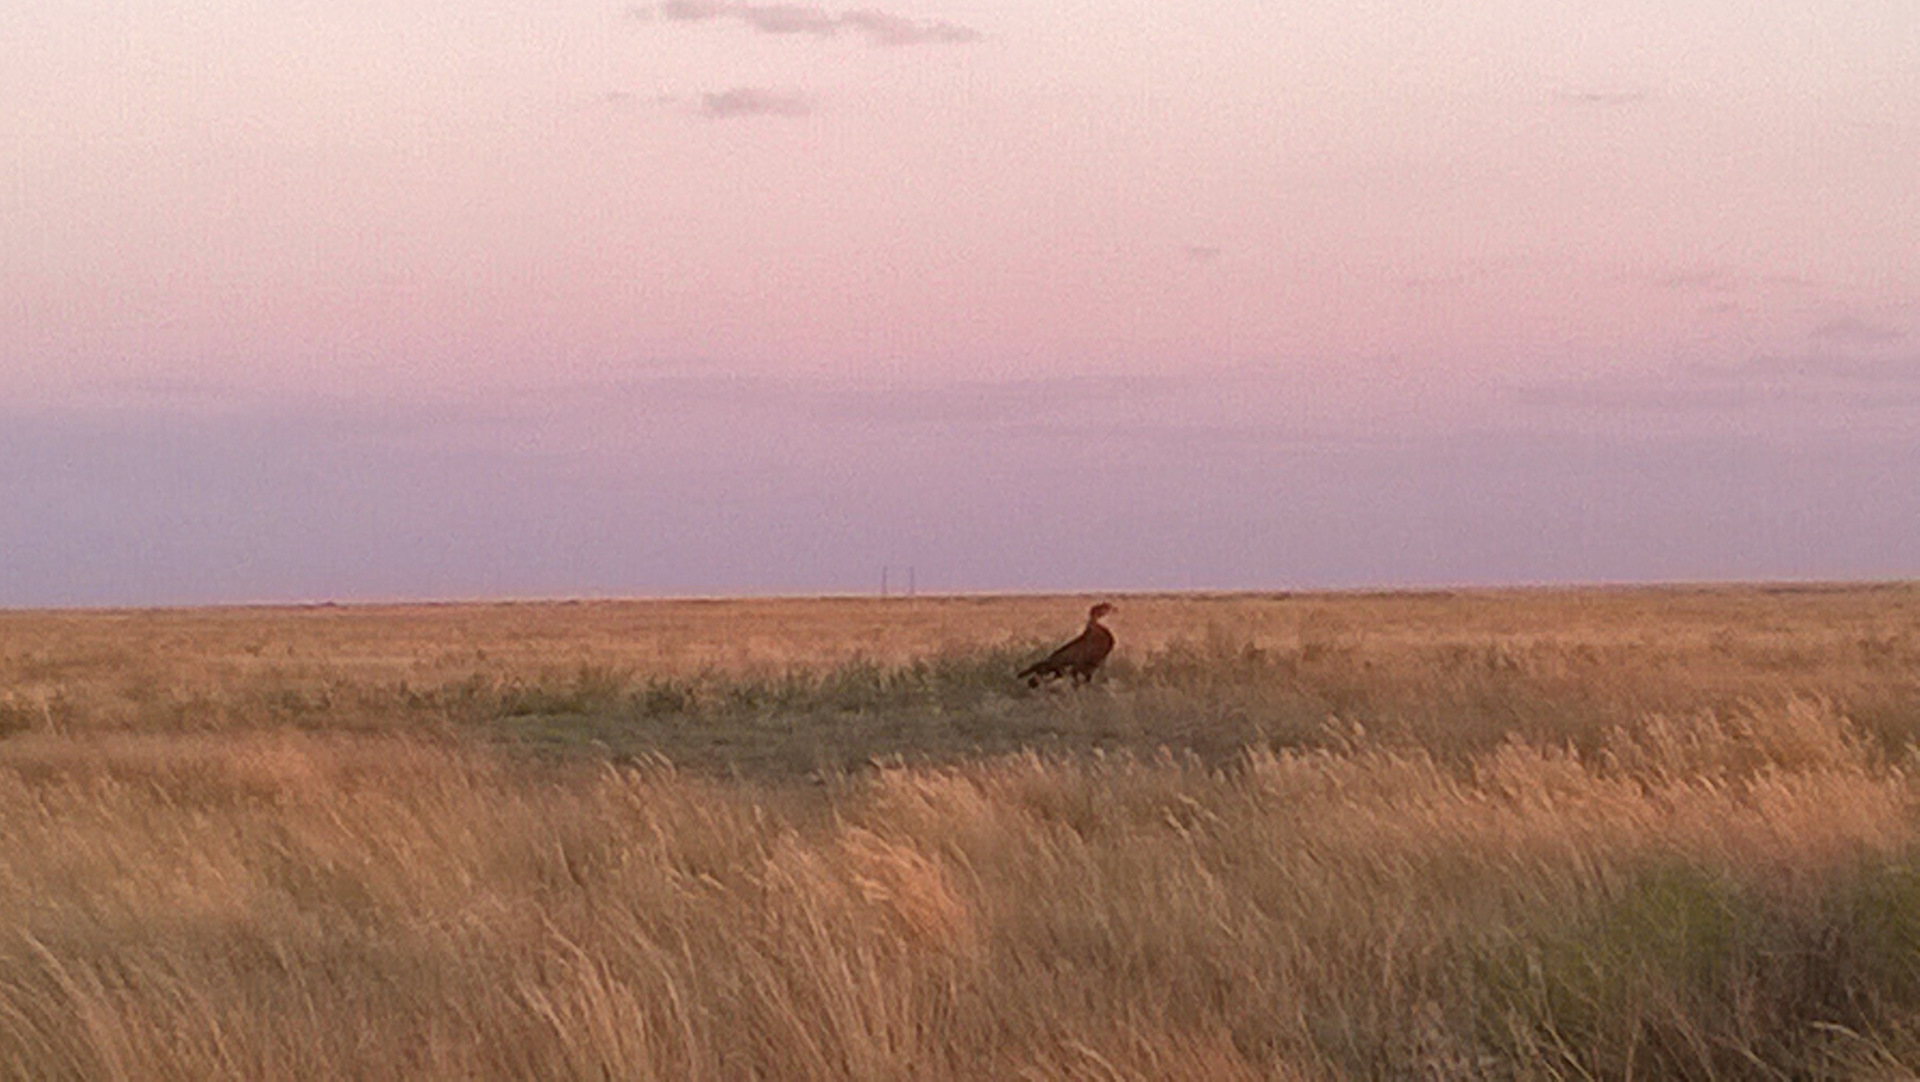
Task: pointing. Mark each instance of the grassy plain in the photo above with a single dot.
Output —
(1534, 834)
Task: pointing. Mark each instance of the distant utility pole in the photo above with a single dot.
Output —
(886, 583)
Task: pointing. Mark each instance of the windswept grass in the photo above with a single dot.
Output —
(1698, 899)
(785, 688)
(1619, 845)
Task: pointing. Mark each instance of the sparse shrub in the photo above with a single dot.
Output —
(1876, 936)
(589, 689)
(667, 697)
(19, 716)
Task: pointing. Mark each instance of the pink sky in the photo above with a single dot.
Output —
(379, 298)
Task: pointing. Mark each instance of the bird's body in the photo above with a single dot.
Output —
(1077, 660)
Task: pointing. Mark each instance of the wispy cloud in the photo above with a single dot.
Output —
(1834, 391)
(1851, 331)
(750, 101)
(878, 27)
(683, 10)
(1601, 99)
(1697, 280)
(1788, 281)
(1641, 395)
(1829, 367)
(1708, 278)
(1203, 253)
(787, 19)
(884, 29)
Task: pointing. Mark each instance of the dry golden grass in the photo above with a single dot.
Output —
(783, 687)
(1534, 835)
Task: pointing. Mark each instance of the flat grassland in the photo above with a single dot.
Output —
(1532, 834)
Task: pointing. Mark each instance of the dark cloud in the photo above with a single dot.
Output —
(878, 27)
(1850, 331)
(748, 101)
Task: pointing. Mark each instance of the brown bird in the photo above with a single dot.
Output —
(1078, 659)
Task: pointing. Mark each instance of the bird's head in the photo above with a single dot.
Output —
(1099, 610)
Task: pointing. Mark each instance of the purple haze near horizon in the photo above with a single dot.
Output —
(387, 300)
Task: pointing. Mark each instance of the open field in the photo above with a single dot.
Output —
(1611, 833)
